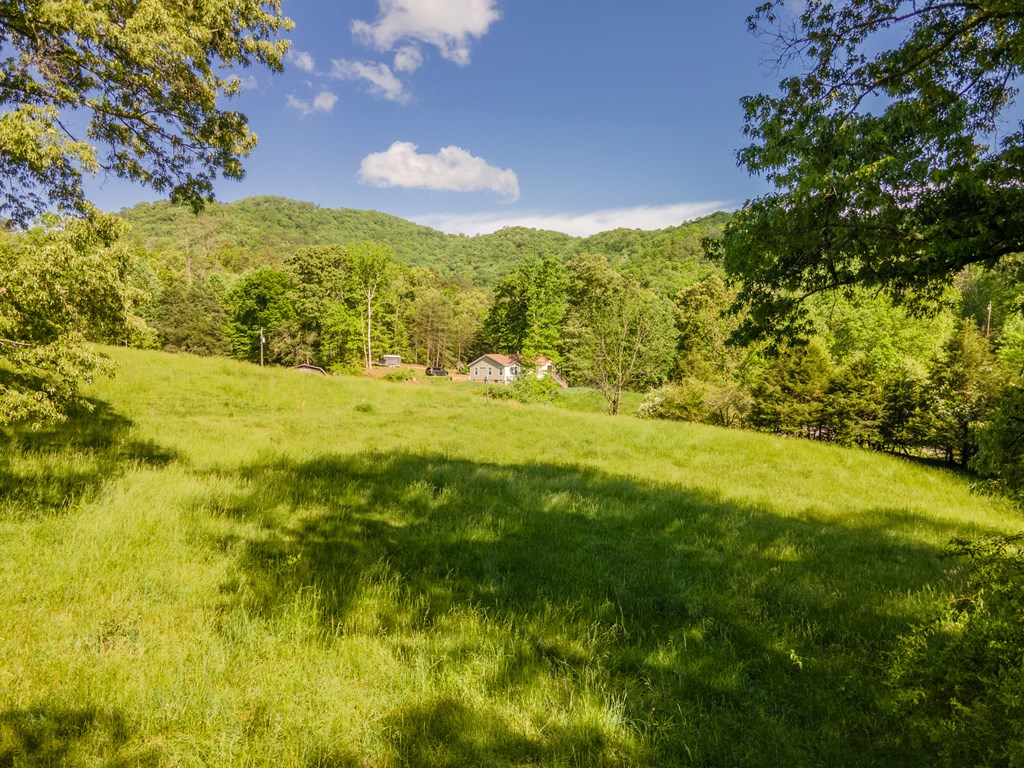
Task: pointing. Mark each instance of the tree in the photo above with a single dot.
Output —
(131, 89)
(528, 310)
(617, 335)
(61, 284)
(190, 318)
(894, 154)
(853, 405)
(261, 300)
(966, 385)
(432, 321)
(371, 270)
(325, 327)
(789, 397)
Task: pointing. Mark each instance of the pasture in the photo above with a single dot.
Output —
(223, 565)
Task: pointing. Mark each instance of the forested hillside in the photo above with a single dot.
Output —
(260, 231)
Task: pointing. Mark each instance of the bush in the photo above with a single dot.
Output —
(526, 389)
(959, 679)
(692, 399)
(400, 374)
(676, 402)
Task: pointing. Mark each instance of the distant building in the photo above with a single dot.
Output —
(390, 361)
(307, 368)
(502, 369)
(543, 366)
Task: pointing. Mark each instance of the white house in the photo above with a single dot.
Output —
(495, 368)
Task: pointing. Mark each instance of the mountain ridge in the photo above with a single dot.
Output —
(233, 237)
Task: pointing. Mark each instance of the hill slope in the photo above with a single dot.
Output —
(231, 565)
(264, 230)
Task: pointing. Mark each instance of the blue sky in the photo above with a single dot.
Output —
(470, 115)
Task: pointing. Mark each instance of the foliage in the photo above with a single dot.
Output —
(966, 385)
(957, 680)
(529, 306)
(789, 396)
(61, 283)
(617, 335)
(722, 403)
(880, 152)
(145, 80)
(526, 388)
(1000, 456)
(400, 374)
(189, 318)
(265, 230)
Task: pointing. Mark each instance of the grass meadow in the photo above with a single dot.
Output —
(222, 565)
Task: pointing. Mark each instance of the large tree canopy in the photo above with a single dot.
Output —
(129, 88)
(60, 284)
(895, 153)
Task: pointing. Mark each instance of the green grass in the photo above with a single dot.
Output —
(223, 565)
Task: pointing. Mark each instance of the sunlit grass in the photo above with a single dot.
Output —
(224, 565)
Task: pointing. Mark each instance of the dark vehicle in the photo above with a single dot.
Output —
(436, 372)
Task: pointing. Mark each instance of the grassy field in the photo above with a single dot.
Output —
(231, 566)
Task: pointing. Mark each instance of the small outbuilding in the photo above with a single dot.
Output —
(308, 368)
(543, 367)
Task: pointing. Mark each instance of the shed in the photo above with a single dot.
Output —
(307, 368)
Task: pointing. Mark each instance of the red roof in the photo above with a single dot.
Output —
(502, 360)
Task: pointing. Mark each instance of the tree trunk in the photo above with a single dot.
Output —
(369, 322)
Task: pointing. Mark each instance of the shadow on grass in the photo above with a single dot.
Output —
(39, 737)
(49, 470)
(714, 632)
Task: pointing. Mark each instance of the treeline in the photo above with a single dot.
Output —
(337, 307)
(944, 384)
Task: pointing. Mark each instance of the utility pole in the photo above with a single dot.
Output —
(262, 342)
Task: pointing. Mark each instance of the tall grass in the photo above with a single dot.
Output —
(223, 565)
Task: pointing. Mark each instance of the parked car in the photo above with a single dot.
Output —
(433, 371)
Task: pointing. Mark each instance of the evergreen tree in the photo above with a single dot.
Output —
(966, 383)
(189, 318)
(789, 397)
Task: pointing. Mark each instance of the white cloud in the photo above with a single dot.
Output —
(576, 224)
(450, 25)
(322, 102)
(451, 169)
(302, 60)
(408, 59)
(248, 83)
(381, 79)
